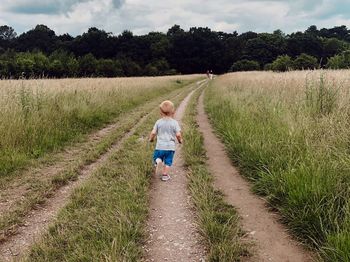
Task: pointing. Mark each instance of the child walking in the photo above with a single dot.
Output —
(167, 130)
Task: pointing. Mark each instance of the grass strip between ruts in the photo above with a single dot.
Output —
(218, 221)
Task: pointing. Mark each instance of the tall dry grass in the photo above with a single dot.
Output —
(38, 116)
(290, 134)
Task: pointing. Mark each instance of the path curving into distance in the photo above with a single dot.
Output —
(171, 226)
(271, 239)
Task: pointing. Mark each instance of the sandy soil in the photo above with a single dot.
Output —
(271, 239)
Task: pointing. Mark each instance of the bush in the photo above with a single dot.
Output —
(151, 70)
(26, 65)
(341, 61)
(268, 67)
(171, 72)
(56, 68)
(130, 68)
(87, 65)
(72, 65)
(305, 61)
(336, 62)
(245, 65)
(282, 63)
(106, 67)
(61, 63)
(41, 63)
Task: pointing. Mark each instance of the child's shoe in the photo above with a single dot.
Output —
(165, 177)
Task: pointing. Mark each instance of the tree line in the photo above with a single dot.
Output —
(40, 52)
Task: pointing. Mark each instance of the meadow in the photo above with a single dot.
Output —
(105, 218)
(40, 116)
(289, 133)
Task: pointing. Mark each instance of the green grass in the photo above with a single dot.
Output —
(292, 141)
(42, 188)
(218, 221)
(41, 116)
(105, 218)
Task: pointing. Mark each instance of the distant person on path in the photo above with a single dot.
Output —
(211, 74)
(208, 75)
(167, 130)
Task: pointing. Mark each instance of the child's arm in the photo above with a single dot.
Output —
(152, 136)
(179, 137)
(178, 132)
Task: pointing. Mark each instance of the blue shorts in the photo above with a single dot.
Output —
(166, 156)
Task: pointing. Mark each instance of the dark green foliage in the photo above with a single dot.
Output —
(340, 61)
(109, 68)
(7, 32)
(87, 65)
(282, 64)
(245, 65)
(333, 46)
(40, 38)
(194, 51)
(305, 61)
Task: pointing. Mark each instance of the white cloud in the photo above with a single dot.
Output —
(76, 16)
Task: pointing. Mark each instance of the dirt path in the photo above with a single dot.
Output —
(171, 226)
(39, 219)
(17, 189)
(270, 237)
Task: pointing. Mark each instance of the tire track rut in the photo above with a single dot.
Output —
(271, 239)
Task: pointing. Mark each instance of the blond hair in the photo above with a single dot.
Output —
(167, 108)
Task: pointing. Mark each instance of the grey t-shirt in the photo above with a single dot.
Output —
(166, 129)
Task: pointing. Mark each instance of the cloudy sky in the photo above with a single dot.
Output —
(143, 16)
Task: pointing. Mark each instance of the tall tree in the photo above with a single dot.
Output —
(95, 41)
(40, 38)
(7, 32)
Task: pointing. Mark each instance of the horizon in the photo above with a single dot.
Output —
(185, 29)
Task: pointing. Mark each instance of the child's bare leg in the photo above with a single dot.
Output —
(156, 169)
(166, 170)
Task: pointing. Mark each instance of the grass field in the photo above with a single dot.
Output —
(289, 133)
(39, 188)
(106, 217)
(39, 116)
